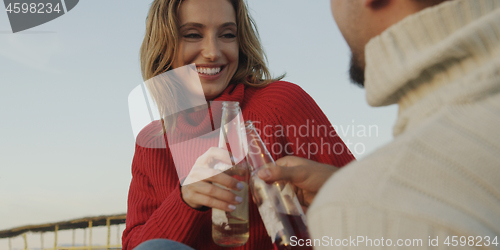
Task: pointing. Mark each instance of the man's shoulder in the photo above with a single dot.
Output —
(443, 151)
(438, 174)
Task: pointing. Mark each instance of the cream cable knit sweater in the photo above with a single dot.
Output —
(440, 176)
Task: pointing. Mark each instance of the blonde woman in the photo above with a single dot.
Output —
(220, 38)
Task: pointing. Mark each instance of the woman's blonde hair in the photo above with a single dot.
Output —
(161, 42)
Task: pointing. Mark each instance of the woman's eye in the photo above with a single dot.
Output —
(229, 35)
(192, 35)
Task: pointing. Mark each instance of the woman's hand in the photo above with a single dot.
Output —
(199, 187)
(307, 176)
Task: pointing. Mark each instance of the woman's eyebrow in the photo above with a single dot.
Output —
(197, 25)
(228, 24)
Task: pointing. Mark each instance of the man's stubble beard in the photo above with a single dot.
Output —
(356, 72)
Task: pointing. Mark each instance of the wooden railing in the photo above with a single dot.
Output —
(87, 222)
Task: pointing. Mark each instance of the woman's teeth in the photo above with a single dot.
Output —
(209, 71)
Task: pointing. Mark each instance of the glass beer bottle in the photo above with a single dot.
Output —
(230, 229)
(278, 205)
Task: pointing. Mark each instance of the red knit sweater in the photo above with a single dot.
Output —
(290, 123)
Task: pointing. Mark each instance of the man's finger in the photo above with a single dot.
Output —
(287, 168)
(290, 161)
(275, 173)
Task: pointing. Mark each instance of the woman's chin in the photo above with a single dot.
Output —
(210, 97)
(212, 92)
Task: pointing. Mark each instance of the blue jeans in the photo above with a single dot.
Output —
(162, 244)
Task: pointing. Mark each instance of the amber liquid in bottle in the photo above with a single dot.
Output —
(299, 229)
(231, 229)
(235, 231)
(277, 203)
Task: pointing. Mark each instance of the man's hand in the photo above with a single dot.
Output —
(306, 175)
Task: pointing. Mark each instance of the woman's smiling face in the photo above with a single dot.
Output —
(208, 38)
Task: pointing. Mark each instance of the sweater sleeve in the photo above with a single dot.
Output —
(157, 210)
(365, 226)
(307, 131)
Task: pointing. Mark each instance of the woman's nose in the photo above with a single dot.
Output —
(211, 50)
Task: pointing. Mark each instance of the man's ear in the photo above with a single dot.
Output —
(377, 4)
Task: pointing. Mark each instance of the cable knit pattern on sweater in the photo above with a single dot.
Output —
(155, 206)
(440, 176)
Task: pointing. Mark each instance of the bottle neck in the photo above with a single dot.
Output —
(230, 110)
(231, 105)
(258, 157)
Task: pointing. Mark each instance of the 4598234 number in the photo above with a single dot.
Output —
(470, 241)
(38, 8)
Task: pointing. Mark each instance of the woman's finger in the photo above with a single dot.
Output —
(198, 174)
(211, 202)
(219, 193)
(226, 181)
(212, 156)
(203, 168)
(206, 194)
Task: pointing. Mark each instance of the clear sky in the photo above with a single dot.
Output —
(66, 142)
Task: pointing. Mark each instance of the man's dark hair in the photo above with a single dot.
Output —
(428, 3)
